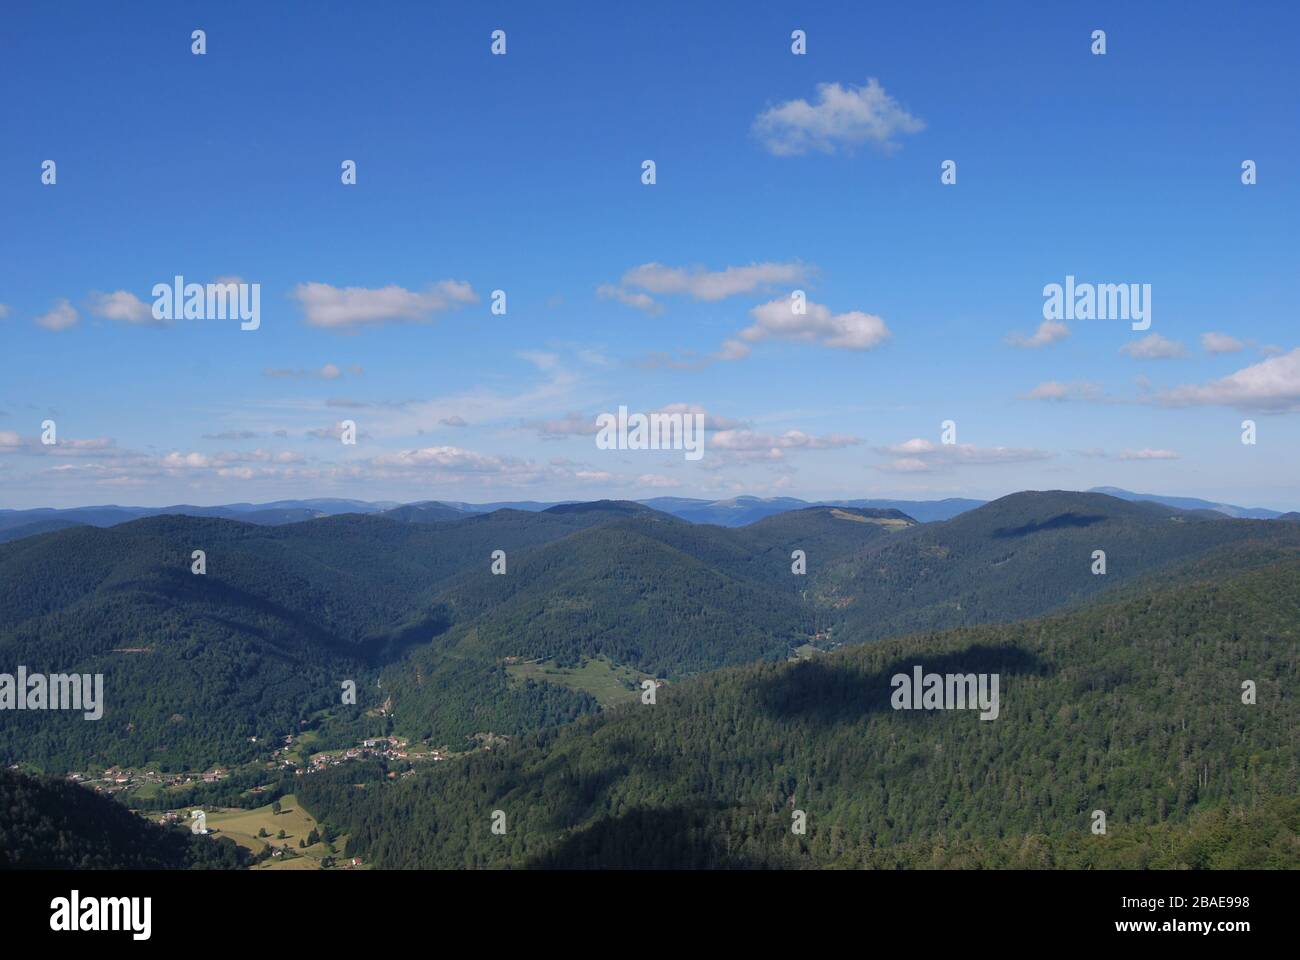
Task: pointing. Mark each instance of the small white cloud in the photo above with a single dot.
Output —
(838, 117)
(329, 371)
(840, 331)
(1055, 390)
(345, 308)
(1148, 454)
(919, 455)
(61, 317)
(631, 298)
(657, 480)
(125, 307)
(1220, 343)
(1153, 347)
(636, 285)
(1048, 332)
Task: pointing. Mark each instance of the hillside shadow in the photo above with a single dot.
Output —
(825, 693)
(649, 838)
(1061, 521)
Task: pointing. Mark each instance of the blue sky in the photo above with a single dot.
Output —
(522, 173)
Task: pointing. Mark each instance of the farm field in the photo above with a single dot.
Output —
(242, 826)
(603, 679)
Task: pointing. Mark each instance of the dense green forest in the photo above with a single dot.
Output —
(406, 605)
(51, 823)
(1134, 708)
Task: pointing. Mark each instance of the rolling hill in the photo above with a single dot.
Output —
(1133, 708)
(197, 666)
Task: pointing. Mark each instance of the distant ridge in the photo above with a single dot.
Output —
(731, 512)
(1193, 503)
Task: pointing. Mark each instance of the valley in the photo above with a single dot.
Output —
(768, 642)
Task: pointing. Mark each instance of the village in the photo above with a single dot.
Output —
(289, 755)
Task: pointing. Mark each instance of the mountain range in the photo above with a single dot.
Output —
(529, 627)
(731, 512)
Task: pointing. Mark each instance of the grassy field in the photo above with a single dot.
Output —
(242, 827)
(599, 677)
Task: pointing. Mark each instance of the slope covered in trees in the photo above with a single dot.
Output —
(53, 824)
(1134, 708)
(195, 667)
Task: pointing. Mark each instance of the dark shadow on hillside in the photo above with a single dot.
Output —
(1059, 522)
(837, 692)
(650, 838)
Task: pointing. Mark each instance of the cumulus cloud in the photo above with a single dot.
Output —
(1221, 343)
(657, 481)
(1148, 454)
(61, 317)
(1055, 390)
(636, 285)
(838, 117)
(924, 456)
(1271, 385)
(631, 298)
(329, 371)
(124, 307)
(777, 320)
(745, 446)
(1048, 332)
(1154, 347)
(347, 308)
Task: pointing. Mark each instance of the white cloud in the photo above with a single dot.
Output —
(1271, 385)
(329, 371)
(749, 440)
(923, 456)
(63, 316)
(631, 298)
(777, 320)
(839, 117)
(1153, 347)
(1048, 332)
(636, 285)
(345, 308)
(657, 480)
(1220, 343)
(1055, 390)
(570, 425)
(125, 307)
(748, 446)
(1148, 454)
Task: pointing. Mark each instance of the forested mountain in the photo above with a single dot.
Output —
(1133, 708)
(197, 666)
(51, 824)
(732, 512)
(1019, 556)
